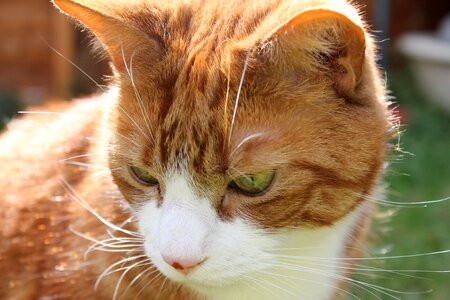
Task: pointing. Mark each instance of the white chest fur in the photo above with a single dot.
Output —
(305, 268)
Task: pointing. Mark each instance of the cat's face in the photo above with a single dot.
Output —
(216, 183)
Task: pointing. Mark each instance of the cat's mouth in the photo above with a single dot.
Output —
(200, 278)
(177, 274)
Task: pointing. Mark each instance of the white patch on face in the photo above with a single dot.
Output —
(185, 223)
(240, 260)
(187, 227)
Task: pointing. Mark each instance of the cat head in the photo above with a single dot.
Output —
(235, 124)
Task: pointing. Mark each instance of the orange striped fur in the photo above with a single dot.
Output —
(311, 107)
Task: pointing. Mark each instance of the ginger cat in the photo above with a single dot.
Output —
(229, 157)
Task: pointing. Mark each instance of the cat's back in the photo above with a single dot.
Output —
(35, 213)
(33, 145)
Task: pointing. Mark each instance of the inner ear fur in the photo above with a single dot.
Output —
(326, 41)
(121, 40)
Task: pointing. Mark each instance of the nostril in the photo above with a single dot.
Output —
(177, 266)
(185, 265)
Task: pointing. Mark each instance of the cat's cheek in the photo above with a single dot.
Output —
(147, 215)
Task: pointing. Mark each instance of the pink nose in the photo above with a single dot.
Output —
(184, 265)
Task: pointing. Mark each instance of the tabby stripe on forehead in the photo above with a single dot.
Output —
(218, 92)
(166, 139)
(168, 86)
(199, 145)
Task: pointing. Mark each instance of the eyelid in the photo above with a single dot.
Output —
(235, 186)
(137, 178)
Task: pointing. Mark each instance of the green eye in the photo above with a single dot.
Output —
(143, 176)
(254, 184)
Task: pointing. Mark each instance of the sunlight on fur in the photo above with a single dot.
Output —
(135, 194)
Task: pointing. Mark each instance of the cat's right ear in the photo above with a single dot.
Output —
(324, 40)
(119, 38)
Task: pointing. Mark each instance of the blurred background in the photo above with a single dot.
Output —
(414, 41)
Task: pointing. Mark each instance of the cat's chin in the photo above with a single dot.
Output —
(206, 286)
(199, 281)
(211, 287)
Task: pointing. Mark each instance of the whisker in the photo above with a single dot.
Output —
(311, 281)
(242, 174)
(114, 247)
(324, 284)
(340, 277)
(121, 250)
(278, 287)
(138, 264)
(84, 204)
(136, 92)
(96, 243)
(78, 156)
(128, 139)
(119, 242)
(86, 165)
(148, 283)
(258, 282)
(249, 284)
(297, 248)
(225, 110)
(404, 204)
(130, 219)
(380, 289)
(354, 270)
(107, 271)
(134, 123)
(358, 267)
(72, 63)
(367, 258)
(288, 281)
(161, 288)
(41, 113)
(248, 138)
(116, 290)
(135, 279)
(236, 103)
(138, 96)
(71, 229)
(111, 232)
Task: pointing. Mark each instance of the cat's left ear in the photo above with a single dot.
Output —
(327, 41)
(120, 39)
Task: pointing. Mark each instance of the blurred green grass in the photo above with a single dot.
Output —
(9, 105)
(420, 173)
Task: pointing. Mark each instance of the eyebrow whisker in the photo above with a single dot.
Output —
(239, 93)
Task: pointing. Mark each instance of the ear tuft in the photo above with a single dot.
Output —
(120, 39)
(328, 41)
